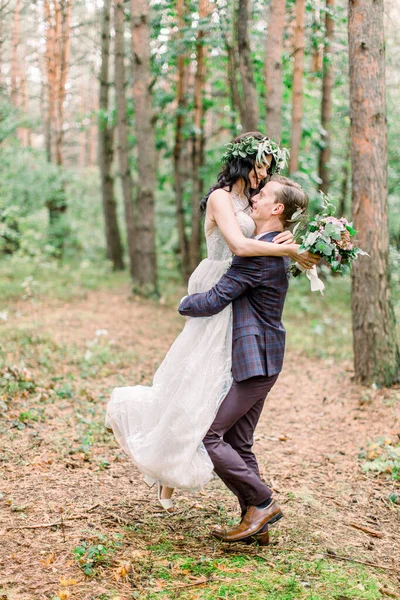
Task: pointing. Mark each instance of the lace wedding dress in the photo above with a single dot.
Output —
(162, 427)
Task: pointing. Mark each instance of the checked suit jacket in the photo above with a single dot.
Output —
(256, 287)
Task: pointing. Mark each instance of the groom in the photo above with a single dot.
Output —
(257, 288)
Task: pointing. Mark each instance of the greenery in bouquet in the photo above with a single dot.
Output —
(328, 236)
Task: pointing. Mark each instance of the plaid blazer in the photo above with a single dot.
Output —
(257, 288)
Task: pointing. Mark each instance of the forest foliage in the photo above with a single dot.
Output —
(29, 182)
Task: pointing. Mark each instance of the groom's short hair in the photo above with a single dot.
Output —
(291, 195)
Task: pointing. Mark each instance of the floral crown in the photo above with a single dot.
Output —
(263, 148)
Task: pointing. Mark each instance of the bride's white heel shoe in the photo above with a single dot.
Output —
(166, 503)
(149, 481)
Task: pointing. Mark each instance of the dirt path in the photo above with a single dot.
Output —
(60, 466)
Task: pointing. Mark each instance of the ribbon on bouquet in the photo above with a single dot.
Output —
(312, 274)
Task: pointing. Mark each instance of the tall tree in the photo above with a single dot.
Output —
(198, 138)
(326, 103)
(178, 146)
(106, 150)
(297, 86)
(317, 44)
(19, 84)
(345, 180)
(231, 44)
(57, 18)
(14, 74)
(146, 146)
(376, 355)
(58, 45)
(273, 68)
(250, 101)
(123, 147)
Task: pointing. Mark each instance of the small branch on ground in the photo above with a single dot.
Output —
(188, 585)
(377, 534)
(360, 562)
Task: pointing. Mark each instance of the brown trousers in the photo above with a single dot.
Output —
(229, 440)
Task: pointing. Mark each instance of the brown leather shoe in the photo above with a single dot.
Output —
(261, 538)
(253, 521)
(218, 532)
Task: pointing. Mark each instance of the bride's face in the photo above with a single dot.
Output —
(259, 172)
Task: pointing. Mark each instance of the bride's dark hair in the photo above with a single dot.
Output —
(237, 168)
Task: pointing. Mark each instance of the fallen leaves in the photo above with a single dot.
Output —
(122, 571)
(67, 582)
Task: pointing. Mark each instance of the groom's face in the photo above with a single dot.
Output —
(265, 205)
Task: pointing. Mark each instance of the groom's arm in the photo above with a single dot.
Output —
(244, 273)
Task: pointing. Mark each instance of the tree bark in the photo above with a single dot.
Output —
(178, 167)
(1, 42)
(24, 132)
(297, 101)
(142, 96)
(233, 68)
(345, 182)
(250, 120)
(273, 68)
(113, 238)
(58, 46)
(376, 354)
(123, 147)
(14, 73)
(326, 103)
(318, 48)
(57, 18)
(198, 141)
(64, 40)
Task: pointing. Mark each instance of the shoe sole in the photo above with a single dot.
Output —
(274, 519)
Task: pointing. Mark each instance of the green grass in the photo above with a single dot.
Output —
(274, 576)
(319, 325)
(27, 279)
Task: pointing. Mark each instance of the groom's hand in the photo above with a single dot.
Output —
(285, 237)
(307, 260)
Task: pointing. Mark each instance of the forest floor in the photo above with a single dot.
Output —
(76, 521)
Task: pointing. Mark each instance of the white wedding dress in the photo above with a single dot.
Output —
(162, 427)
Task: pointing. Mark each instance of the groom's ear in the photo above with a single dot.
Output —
(278, 208)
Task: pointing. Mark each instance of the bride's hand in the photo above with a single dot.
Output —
(306, 259)
(285, 237)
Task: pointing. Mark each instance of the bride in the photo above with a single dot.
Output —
(161, 427)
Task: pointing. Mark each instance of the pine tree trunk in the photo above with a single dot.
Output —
(14, 74)
(178, 167)
(142, 96)
(250, 121)
(297, 101)
(57, 17)
(198, 143)
(345, 183)
(123, 148)
(233, 67)
(1, 41)
(113, 238)
(83, 130)
(273, 68)
(50, 58)
(376, 355)
(326, 104)
(24, 132)
(63, 16)
(318, 48)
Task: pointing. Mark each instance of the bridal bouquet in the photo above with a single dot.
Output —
(327, 236)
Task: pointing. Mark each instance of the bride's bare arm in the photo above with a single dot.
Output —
(220, 210)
